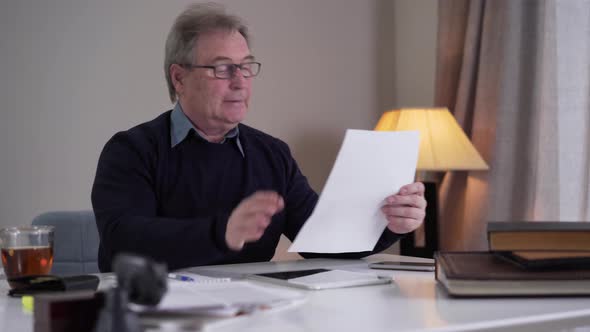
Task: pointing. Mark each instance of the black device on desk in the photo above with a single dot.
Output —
(35, 284)
(408, 266)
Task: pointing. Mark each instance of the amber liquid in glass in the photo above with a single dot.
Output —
(24, 261)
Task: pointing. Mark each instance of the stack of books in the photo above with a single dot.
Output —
(524, 259)
(541, 245)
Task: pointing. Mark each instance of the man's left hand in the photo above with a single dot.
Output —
(405, 210)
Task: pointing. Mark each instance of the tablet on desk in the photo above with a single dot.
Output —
(317, 279)
(411, 266)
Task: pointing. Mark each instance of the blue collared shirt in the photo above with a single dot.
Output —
(180, 126)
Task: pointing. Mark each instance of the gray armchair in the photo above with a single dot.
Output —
(75, 242)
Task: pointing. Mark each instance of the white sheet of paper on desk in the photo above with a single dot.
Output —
(222, 298)
(370, 166)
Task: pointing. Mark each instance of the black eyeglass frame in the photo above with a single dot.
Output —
(232, 68)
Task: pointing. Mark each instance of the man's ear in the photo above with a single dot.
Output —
(177, 74)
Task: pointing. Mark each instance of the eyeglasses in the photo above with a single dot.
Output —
(228, 70)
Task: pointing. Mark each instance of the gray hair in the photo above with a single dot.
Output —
(195, 20)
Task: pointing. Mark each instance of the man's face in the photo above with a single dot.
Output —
(216, 104)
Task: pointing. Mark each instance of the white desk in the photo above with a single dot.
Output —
(412, 303)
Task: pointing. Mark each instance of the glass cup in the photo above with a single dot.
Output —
(26, 251)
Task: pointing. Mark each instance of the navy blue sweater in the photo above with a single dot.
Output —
(173, 203)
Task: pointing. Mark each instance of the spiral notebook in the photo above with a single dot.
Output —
(220, 296)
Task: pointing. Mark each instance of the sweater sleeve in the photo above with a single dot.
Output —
(299, 204)
(125, 205)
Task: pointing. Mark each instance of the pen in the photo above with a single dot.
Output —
(179, 277)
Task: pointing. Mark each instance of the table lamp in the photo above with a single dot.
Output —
(443, 147)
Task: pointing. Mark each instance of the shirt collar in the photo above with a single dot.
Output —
(180, 127)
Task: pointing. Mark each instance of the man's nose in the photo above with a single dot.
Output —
(238, 80)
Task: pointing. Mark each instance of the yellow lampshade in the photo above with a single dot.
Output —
(443, 144)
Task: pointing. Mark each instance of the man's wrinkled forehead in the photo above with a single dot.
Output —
(221, 45)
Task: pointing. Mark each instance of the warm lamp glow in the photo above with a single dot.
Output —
(443, 144)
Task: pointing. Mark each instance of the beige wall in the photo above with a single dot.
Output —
(74, 72)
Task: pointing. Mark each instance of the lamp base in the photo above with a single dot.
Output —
(409, 246)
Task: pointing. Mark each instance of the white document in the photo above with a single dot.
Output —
(370, 166)
(223, 298)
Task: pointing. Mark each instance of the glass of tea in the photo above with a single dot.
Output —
(26, 251)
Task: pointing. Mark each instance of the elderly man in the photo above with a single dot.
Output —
(195, 186)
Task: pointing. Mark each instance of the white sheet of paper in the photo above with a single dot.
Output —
(220, 298)
(370, 166)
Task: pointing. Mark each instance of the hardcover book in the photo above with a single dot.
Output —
(481, 274)
(538, 235)
(544, 260)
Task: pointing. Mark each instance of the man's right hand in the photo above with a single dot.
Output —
(250, 218)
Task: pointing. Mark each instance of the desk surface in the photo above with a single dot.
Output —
(413, 302)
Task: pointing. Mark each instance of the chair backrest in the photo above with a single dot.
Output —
(75, 242)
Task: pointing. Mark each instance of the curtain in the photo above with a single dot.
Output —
(515, 75)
